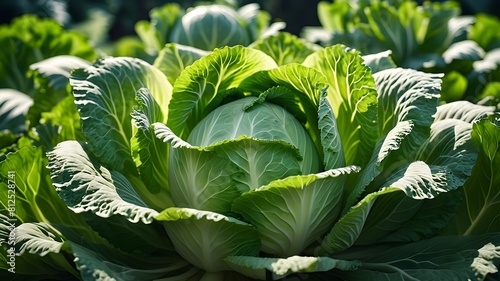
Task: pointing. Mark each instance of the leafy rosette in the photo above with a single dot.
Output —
(205, 26)
(238, 167)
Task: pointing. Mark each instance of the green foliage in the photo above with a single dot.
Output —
(273, 159)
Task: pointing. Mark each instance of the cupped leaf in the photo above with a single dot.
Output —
(285, 48)
(154, 33)
(14, 107)
(198, 178)
(152, 155)
(257, 267)
(101, 262)
(291, 213)
(87, 186)
(294, 87)
(256, 118)
(260, 161)
(174, 58)
(483, 31)
(352, 95)
(205, 239)
(396, 27)
(104, 95)
(197, 90)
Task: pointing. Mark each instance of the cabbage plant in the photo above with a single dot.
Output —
(205, 26)
(246, 169)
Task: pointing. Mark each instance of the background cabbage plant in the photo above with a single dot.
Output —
(199, 26)
(277, 160)
(240, 166)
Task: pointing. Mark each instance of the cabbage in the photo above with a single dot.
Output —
(210, 26)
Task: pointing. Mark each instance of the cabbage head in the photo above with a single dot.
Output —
(328, 168)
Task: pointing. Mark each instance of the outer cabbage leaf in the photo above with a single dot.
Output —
(484, 72)
(291, 213)
(461, 55)
(352, 95)
(386, 146)
(258, 22)
(257, 267)
(39, 249)
(463, 110)
(205, 238)
(174, 58)
(85, 185)
(438, 258)
(439, 166)
(14, 107)
(442, 164)
(100, 262)
(285, 48)
(479, 212)
(256, 118)
(44, 250)
(407, 100)
(438, 26)
(197, 91)
(88, 187)
(104, 95)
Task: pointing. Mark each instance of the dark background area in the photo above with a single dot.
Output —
(296, 13)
